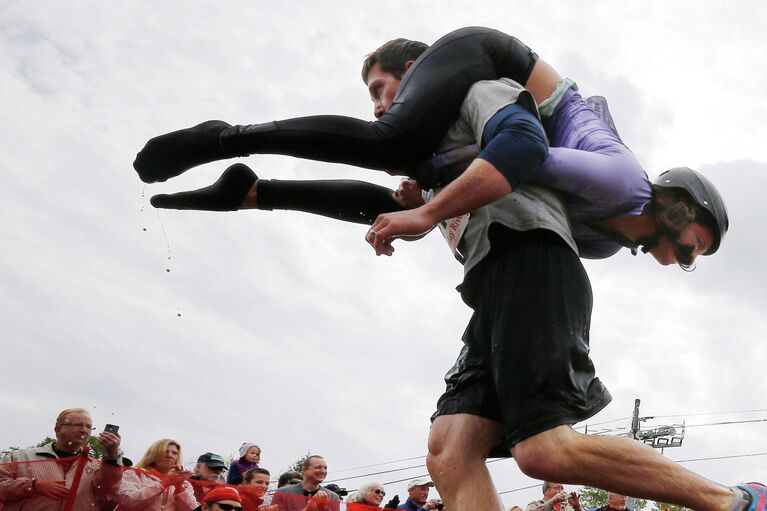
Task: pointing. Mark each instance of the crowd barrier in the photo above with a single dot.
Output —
(82, 483)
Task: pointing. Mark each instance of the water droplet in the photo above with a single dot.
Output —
(167, 270)
(178, 314)
(144, 229)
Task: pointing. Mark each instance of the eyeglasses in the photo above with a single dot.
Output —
(228, 507)
(89, 427)
(379, 492)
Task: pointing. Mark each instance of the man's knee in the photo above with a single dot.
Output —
(460, 440)
(546, 455)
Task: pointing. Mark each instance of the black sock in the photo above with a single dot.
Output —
(226, 194)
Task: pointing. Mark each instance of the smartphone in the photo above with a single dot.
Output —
(111, 428)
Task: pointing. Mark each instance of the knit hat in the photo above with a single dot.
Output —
(244, 448)
(222, 493)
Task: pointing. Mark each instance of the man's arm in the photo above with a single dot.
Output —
(514, 148)
(480, 185)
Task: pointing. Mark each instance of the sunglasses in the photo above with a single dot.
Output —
(228, 507)
(380, 492)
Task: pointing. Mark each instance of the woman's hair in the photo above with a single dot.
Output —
(363, 491)
(674, 210)
(250, 474)
(157, 451)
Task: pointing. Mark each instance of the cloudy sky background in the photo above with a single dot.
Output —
(286, 330)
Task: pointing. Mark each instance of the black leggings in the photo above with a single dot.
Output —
(427, 103)
(351, 201)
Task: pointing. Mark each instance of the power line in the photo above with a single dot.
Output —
(378, 464)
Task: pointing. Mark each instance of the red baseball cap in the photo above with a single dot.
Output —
(223, 493)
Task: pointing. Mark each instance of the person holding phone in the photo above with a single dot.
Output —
(39, 485)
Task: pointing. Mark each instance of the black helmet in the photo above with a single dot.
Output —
(705, 195)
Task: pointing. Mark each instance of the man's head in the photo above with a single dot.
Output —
(289, 478)
(314, 470)
(225, 498)
(616, 501)
(73, 428)
(383, 70)
(550, 489)
(418, 490)
(258, 479)
(210, 467)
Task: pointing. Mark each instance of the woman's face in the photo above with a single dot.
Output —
(253, 455)
(168, 460)
(693, 241)
(375, 496)
(259, 483)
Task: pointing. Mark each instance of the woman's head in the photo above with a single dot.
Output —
(250, 453)
(691, 217)
(162, 455)
(258, 479)
(369, 493)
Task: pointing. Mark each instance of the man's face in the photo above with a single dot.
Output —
(696, 239)
(383, 87)
(419, 494)
(316, 472)
(73, 432)
(552, 490)
(207, 473)
(615, 501)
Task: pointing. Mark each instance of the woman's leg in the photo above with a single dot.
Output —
(239, 188)
(428, 101)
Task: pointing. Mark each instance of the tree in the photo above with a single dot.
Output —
(592, 497)
(298, 465)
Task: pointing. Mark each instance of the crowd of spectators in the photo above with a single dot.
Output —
(64, 476)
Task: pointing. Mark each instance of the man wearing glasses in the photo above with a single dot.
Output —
(43, 486)
(221, 499)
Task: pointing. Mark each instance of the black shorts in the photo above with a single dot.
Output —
(525, 360)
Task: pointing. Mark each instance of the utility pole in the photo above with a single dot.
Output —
(635, 420)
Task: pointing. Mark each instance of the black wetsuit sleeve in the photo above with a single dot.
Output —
(351, 201)
(514, 142)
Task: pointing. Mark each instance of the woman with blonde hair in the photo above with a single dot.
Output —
(159, 481)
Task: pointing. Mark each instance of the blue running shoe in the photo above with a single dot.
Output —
(758, 493)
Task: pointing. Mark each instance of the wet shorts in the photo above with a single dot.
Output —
(525, 360)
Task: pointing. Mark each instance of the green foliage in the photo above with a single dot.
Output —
(299, 463)
(592, 497)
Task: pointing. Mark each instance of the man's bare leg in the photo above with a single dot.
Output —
(617, 464)
(458, 447)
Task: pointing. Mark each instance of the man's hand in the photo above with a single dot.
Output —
(408, 194)
(389, 226)
(574, 500)
(111, 443)
(319, 501)
(393, 503)
(430, 504)
(51, 489)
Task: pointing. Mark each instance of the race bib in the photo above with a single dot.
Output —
(453, 230)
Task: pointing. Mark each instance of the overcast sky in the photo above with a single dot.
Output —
(285, 330)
